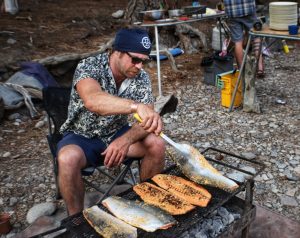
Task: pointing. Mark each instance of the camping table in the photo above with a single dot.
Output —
(264, 33)
(154, 24)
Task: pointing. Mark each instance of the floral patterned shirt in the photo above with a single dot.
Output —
(91, 125)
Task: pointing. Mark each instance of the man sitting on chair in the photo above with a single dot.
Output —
(105, 89)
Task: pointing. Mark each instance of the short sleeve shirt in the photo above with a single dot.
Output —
(92, 125)
(239, 8)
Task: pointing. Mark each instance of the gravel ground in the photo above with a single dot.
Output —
(271, 137)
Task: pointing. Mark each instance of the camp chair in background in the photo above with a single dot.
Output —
(56, 101)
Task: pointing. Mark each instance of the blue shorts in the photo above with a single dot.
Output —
(237, 25)
(92, 148)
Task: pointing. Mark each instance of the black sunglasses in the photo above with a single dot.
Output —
(137, 60)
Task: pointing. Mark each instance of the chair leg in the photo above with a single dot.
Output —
(57, 191)
(93, 185)
(118, 178)
(132, 177)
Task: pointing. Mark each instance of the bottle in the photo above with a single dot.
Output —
(285, 47)
(195, 3)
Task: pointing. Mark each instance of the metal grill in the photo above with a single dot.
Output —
(77, 226)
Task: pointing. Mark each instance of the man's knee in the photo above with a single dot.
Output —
(71, 158)
(155, 142)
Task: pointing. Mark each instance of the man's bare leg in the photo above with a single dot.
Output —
(71, 160)
(238, 52)
(152, 149)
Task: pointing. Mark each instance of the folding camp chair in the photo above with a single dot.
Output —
(56, 101)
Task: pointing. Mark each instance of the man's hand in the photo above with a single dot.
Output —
(116, 152)
(151, 120)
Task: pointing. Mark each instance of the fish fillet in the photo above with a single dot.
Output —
(139, 214)
(163, 199)
(107, 225)
(187, 190)
(194, 166)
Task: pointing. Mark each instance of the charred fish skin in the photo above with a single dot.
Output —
(139, 214)
(199, 170)
(107, 225)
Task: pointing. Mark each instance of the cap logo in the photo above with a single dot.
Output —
(146, 42)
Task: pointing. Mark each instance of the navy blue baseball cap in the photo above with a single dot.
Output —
(135, 40)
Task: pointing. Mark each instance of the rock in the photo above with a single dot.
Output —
(42, 209)
(288, 201)
(249, 155)
(13, 201)
(11, 41)
(297, 170)
(40, 225)
(118, 14)
(39, 124)
(6, 155)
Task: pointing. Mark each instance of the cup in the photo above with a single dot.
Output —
(293, 29)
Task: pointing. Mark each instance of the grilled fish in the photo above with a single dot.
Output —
(107, 225)
(187, 190)
(139, 214)
(163, 199)
(198, 169)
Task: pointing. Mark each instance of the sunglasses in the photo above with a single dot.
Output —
(137, 60)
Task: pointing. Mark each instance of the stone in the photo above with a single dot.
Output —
(288, 201)
(42, 209)
(13, 201)
(118, 14)
(6, 155)
(249, 155)
(39, 124)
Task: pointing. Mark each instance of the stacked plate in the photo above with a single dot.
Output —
(283, 14)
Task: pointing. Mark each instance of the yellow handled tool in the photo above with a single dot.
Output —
(185, 149)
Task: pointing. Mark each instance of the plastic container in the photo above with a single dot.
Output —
(218, 65)
(226, 82)
(216, 44)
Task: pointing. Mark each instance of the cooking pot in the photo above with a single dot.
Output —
(175, 12)
(153, 15)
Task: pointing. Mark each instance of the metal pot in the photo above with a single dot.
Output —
(190, 10)
(175, 13)
(153, 15)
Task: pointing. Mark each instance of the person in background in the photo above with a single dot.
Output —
(106, 89)
(242, 16)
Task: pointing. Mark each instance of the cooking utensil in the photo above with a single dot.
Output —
(153, 15)
(185, 149)
(175, 13)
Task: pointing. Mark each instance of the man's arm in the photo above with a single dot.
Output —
(100, 102)
(118, 149)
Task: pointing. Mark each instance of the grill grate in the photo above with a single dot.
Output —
(77, 226)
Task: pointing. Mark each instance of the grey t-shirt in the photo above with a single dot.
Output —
(91, 125)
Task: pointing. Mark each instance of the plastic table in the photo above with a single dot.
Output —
(156, 24)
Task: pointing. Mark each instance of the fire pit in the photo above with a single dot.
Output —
(226, 162)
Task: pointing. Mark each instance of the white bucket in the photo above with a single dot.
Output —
(216, 44)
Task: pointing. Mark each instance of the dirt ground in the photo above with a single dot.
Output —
(47, 28)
